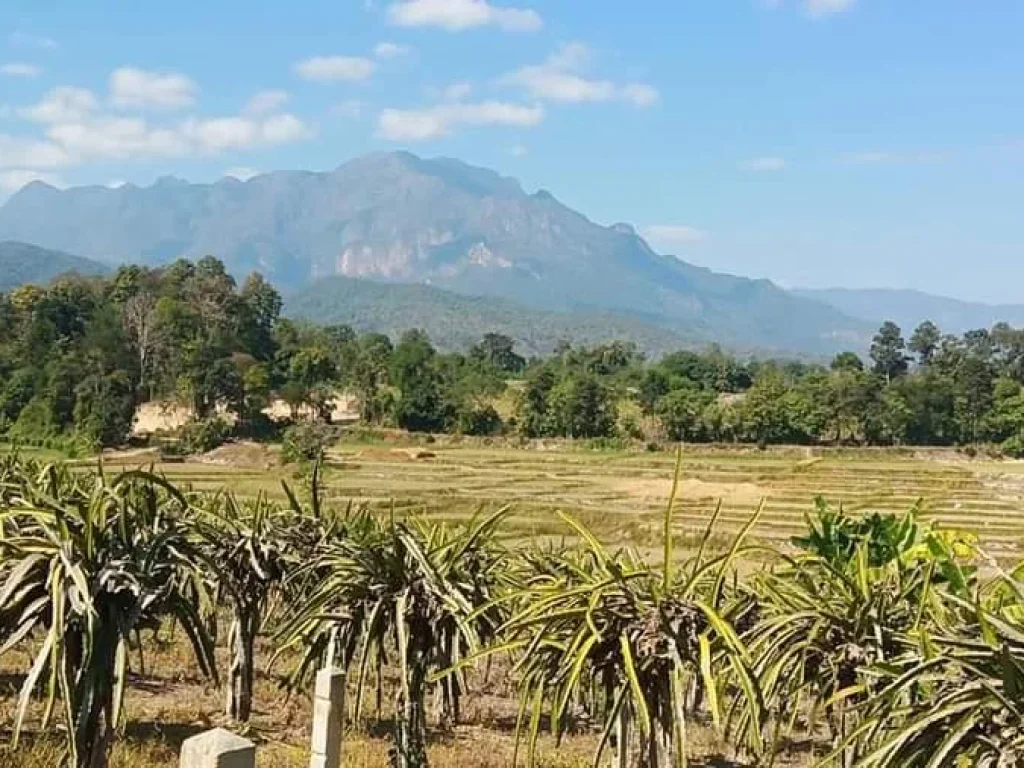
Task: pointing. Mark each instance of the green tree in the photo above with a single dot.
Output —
(681, 411)
(924, 341)
(581, 406)
(888, 352)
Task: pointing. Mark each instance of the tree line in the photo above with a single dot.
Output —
(79, 356)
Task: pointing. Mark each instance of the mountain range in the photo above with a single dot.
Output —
(399, 218)
(908, 308)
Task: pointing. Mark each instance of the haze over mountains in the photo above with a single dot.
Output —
(909, 308)
(400, 218)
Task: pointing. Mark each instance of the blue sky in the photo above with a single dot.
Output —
(814, 142)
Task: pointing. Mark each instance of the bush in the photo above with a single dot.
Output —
(204, 435)
(479, 420)
(307, 442)
(1013, 447)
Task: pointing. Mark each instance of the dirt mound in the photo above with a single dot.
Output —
(244, 453)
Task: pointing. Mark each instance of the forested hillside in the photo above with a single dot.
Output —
(455, 322)
(22, 263)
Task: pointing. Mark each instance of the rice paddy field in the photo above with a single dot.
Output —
(620, 494)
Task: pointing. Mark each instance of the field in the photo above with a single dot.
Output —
(620, 494)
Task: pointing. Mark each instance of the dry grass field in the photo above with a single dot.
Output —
(620, 494)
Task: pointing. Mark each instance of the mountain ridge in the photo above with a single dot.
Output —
(908, 307)
(442, 222)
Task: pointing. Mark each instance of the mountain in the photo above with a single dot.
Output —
(22, 263)
(401, 218)
(909, 308)
(454, 322)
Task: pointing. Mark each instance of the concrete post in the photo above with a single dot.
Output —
(218, 749)
(328, 719)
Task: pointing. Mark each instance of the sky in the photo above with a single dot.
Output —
(854, 143)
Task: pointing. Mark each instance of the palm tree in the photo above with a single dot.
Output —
(86, 563)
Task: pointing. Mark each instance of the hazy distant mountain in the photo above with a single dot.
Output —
(454, 321)
(401, 218)
(21, 263)
(909, 308)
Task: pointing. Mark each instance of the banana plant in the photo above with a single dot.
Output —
(87, 562)
(422, 591)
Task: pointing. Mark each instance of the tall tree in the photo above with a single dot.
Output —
(888, 351)
(924, 341)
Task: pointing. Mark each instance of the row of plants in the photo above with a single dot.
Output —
(875, 637)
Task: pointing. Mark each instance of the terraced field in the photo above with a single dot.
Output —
(622, 494)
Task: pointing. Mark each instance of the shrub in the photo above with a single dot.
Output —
(479, 420)
(307, 442)
(204, 435)
(1013, 447)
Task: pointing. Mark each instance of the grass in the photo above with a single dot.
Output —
(620, 494)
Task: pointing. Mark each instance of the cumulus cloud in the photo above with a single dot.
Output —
(242, 174)
(560, 78)
(17, 152)
(458, 15)
(335, 69)
(20, 69)
(118, 138)
(63, 104)
(386, 50)
(264, 102)
(131, 87)
(13, 180)
(765, 164)
(441, 120)
(668, 237)
(218, 134)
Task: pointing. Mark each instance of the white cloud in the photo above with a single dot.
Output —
(62, 105)
(457, 91)
(765, 164)
(825, 7)
(519, 150)
(334, 69)
(131, 87)
(242, 174)
(25, 40)
(264, 102)
(20, 69)
(120, 138)
(222, 133)
(559, 79)
(457, 15)
(386, 50)
(13, 180)
(668, 237)
(423, 124)
(17, 152)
